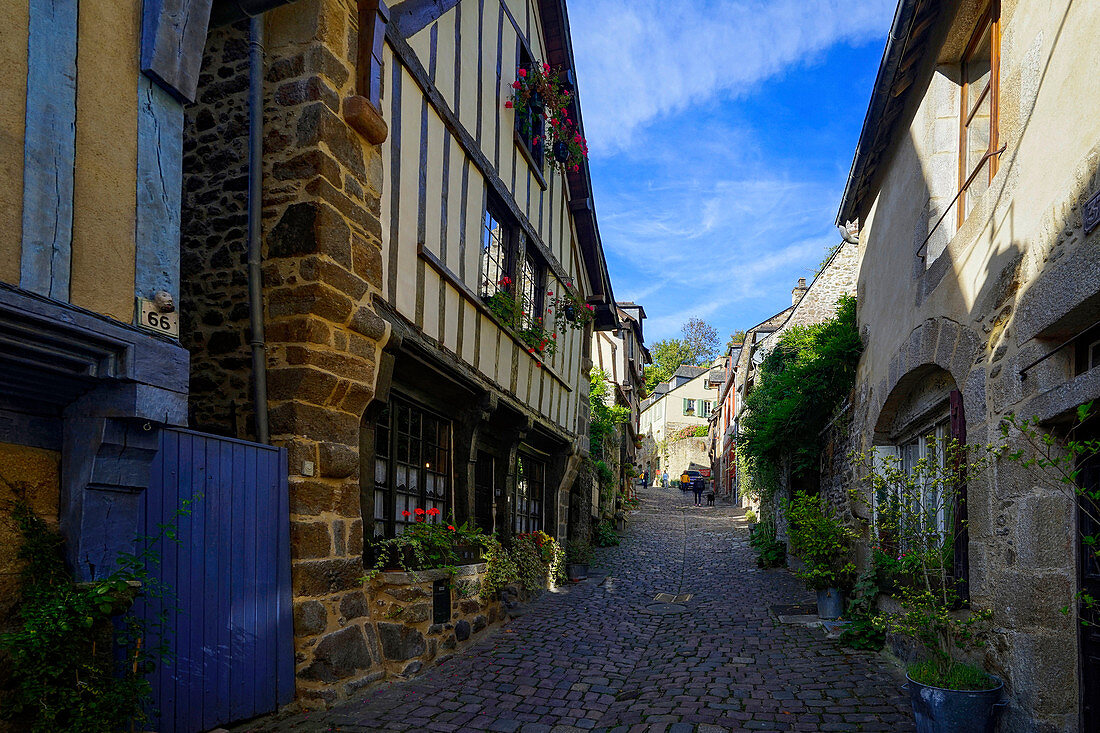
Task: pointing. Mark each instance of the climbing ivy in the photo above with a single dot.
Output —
(802, 382)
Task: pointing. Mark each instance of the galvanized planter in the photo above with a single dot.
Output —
(830, 603)
(939, 710)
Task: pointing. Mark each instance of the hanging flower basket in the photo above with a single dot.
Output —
(541, 90)
(569, 303)
(561, 152)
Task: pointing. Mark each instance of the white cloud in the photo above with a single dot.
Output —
(639, 60)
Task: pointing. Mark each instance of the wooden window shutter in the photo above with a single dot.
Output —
(373, 16)
(961, 569)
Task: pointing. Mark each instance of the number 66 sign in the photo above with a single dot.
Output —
(159, 317)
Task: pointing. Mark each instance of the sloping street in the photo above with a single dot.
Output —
(605, 655)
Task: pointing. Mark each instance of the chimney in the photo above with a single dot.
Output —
(799, 291)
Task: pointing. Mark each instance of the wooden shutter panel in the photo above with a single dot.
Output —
(961, 569)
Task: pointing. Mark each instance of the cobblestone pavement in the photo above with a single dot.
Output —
(606, 656)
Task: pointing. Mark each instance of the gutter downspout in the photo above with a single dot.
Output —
(255, 224)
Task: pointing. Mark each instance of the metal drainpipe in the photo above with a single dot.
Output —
(255, 224)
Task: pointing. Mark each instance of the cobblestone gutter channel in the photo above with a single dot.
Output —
(599, 655)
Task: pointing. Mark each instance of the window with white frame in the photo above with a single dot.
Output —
(689, 406)
(704, 408)
(919, 501)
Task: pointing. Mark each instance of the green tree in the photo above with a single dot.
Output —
(701, 339)
(736, 339)
(668, 355)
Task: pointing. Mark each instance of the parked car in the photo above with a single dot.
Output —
(687, 478)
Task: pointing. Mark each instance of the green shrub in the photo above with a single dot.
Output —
(821, 541)
(76, 664)
(865, 628)
(606, 536)
(578, 552)
(750, 516)
(770, 552)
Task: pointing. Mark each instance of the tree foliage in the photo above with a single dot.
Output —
(701, 339)
(736, 339)
(801, 384)
(698, 346)
(605, 416)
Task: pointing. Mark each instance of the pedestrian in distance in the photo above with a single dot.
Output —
(646, 478)
(664, 479)
(697, 486)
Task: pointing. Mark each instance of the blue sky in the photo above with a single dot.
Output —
(721, 133)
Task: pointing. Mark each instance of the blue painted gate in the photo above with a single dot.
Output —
(231, 637)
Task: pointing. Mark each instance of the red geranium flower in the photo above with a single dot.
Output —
(522, 72)
(507, 105)
(516, 85)
(419, 511)
(451, 527)
(405, 513)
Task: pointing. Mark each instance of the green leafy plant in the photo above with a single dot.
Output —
(915, 509)
(750, 516)
(528, 327)
(801, 383)
(426, 544)
(578, 552)
(865, 628)
(770, 552)
(821, 541)
(605, 535)
(500, 569)
(1058, 460)
(78, 659)
(604, 418)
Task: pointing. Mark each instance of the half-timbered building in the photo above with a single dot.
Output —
(402, 204)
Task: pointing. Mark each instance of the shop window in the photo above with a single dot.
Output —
(412, 466)
(527, 502)
(978, 111)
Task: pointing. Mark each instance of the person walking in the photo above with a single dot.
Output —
(645, 479)
(697, 486)
(664, 479)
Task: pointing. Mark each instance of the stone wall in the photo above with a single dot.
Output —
(679, 454)
(404, 636)
(322, 263)
(213, 243)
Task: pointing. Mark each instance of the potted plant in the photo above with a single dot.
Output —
(426, 544)
(568, 302)
(825, 546)
(561, 151)
(577, 554)
(914, 506)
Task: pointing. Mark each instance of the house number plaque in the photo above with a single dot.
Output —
(1092, 212)
(155, 317)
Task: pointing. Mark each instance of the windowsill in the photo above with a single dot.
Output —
(479, 303)
(529, 158)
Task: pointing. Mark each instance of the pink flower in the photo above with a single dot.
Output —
(576, 168)
(507, 105)
(516, 85)
(546, 68)
(522, 73)
(586, 305)
(577, 138)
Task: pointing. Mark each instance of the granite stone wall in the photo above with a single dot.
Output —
(322, 263)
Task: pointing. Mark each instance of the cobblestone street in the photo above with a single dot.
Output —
(605, 655)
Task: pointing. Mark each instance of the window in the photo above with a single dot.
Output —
(530, 484)
(1087, 351)
(704, 408)
(530, 280)
(494, 254)
(689, 406)
(920, 506)
(978, 117)
(530, 126)
(412, 466)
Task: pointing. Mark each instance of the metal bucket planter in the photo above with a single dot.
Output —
(561, 151)
(576, 571)
(830, 603)
(939, 710)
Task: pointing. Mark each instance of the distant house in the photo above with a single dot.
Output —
(686, 400)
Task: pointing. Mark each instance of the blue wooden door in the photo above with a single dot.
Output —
(230, 624)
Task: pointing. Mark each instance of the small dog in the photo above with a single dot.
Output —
(710, 499)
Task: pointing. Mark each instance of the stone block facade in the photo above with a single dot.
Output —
(401, 612)
(322, 261)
